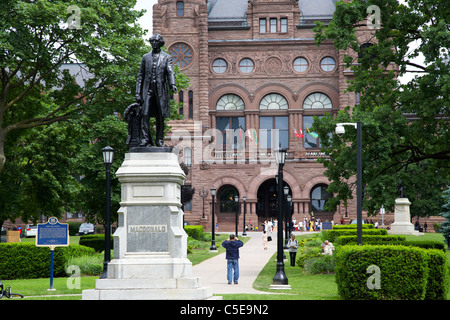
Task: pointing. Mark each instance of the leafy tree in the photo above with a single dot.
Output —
(39, 36)
(52, 128)
(405, 126)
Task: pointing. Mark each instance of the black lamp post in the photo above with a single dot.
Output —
(280, 277)
(286, 221)
(244, 198)
(236, 199)
(108, 156)
(340, 131)
(213, 238)
(202, 193)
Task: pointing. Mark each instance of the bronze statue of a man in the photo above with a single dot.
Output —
(154, 79)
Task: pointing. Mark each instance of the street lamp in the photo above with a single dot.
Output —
(340, 130)
(108, 157)
(213, 238)
(244, 233)
(236, 199)
(382, 211)
(202, 193)
(289, 211)
(280, 277)
(286, 227)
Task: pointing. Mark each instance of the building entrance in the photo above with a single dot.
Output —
(267, 206)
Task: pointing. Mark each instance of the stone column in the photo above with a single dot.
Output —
(402, 219)
(150, 244)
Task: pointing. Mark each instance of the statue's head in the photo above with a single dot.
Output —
(156, 41)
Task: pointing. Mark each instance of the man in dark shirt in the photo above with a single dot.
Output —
(232, 255)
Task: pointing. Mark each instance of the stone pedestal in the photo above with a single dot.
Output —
(402, 219)
(150, 245)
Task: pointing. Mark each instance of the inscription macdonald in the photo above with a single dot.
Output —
(147, 228)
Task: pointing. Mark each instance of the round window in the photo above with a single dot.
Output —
(246, 65)
(300, 64)
(182, 54)
(328, 64)
(219, 66)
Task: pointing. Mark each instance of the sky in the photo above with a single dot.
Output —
(146, 20)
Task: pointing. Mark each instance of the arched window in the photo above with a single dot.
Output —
(273, 101)
(230, 102)
(319, 197)
(317, 100)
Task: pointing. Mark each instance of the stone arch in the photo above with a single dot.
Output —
(229, 88)
(306, 191)
(283, 90)
(226, 180)
(321, 87)
(269, 173)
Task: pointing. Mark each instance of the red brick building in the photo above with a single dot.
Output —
(257, 78)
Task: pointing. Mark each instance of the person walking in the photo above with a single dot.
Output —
(293, 246)
(265, 240)
(232, 245)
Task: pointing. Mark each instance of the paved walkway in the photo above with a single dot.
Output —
(253, 258)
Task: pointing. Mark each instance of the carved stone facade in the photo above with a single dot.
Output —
(253, 67)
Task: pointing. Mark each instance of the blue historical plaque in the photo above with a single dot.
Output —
(52, 233)
(327, 226)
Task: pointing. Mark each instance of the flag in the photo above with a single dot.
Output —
(249, 135)
(298, 135)
(252, 137)
(315, 135)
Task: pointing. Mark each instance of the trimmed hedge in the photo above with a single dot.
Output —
(352, 226)
(95, 241)
(195, 232)
(391, 240)
(26, 261)
(406, 273)
(332, 235)
(372, 239)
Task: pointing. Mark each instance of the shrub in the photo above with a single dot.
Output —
(352, 226)
(90, 265)
(437, 285)
(406, 273)
(372, 239)
(391, 240)
(332, 235)
(320, 264)
(26, 261)
(73, 228)
(195, 232)
(95, 241)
